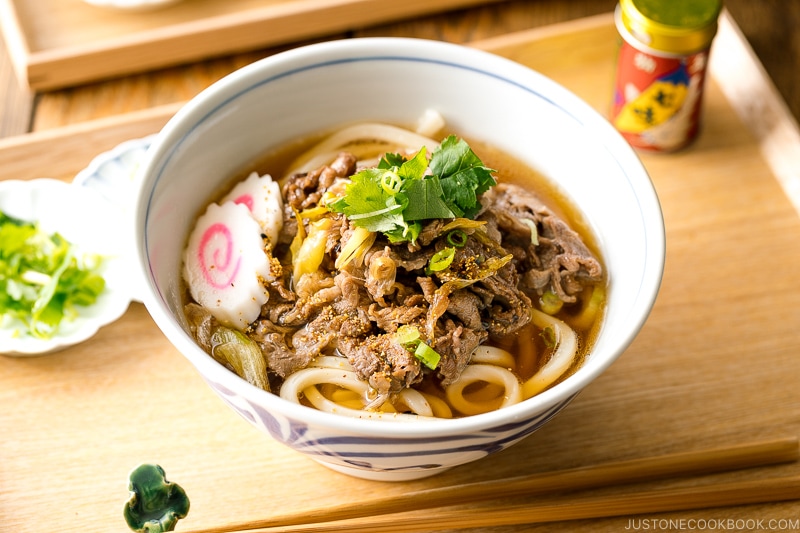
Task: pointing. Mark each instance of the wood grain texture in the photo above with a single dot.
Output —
(65, 42)
(768, 26)
(716, 363)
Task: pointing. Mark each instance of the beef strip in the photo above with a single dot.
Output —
(390, 318)
(302, 191)
(466, 306)
(560, 262)
(316, 291)
(383, 363)
(381, 274)
(455, 345)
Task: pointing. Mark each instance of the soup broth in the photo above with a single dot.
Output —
(527, 321)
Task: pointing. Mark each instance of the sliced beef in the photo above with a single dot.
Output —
(560, 262)
(271, 338)
(280, 358)
(523, 249)
(455, 345)
(510, 309)
(466, 306)
(302, 191)
(202, 324)
(390, 318)
(381, 274)
(315, 292)
(382, 362)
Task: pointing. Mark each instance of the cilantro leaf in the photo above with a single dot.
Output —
(452, 156)
(414, 168)
(391, 160)
(368, 205)
(394, 197)
(425, 200)
(464, 176)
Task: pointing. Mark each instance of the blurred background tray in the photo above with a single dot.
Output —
(716, 363)
(58, 43)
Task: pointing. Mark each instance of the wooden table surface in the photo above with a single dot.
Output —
(716, 364)
(769, 25)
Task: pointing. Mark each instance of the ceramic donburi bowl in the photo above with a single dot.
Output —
(313, 89)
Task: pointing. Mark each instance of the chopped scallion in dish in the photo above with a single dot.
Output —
(43, 277)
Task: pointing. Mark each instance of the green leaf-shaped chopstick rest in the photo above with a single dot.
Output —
(156, 504)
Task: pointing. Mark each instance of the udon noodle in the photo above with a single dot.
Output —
(364, 309)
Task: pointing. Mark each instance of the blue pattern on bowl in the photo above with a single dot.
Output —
(385, 454)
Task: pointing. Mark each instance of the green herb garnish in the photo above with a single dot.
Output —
(42, 279)
(442, 259)
(396, 196)
(409, 337)
(457, 238)
(427, 355)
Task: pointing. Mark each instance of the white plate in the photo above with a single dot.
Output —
(112, 174)
(93, 225)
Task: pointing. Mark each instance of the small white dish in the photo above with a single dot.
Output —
(83, 217)
(112, 174)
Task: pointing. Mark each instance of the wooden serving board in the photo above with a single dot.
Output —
(59, 43)
(716, 363)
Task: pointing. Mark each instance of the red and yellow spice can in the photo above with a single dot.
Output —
(661, 70)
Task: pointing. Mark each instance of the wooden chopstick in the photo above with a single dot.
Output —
(603, 475)
(653, 501)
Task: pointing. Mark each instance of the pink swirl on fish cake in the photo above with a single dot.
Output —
(221, 272)
(246, 200)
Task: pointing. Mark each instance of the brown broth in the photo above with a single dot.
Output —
(509, 170)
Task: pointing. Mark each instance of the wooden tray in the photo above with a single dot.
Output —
(716, 364)
(58, 43)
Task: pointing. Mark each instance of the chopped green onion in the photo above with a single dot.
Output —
(406, 334)
(35, 277)
(427, 355)
(391, 182)
(550, 303)
(43, 278)
(549, 337)
(441, 259)
(457, 238)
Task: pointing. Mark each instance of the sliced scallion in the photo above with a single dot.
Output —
(406, 334)
(441, 259)
(457, 238)
(391, 182)
(550, 303)
(427, 355)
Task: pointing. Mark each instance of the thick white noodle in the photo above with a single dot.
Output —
(416, 401)
(491, 355)
(413, 399)
(331, 361)
(481, 373)
(563, 356)
(327, 149)
(305, 381)
(430, 123)
(488, 365)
